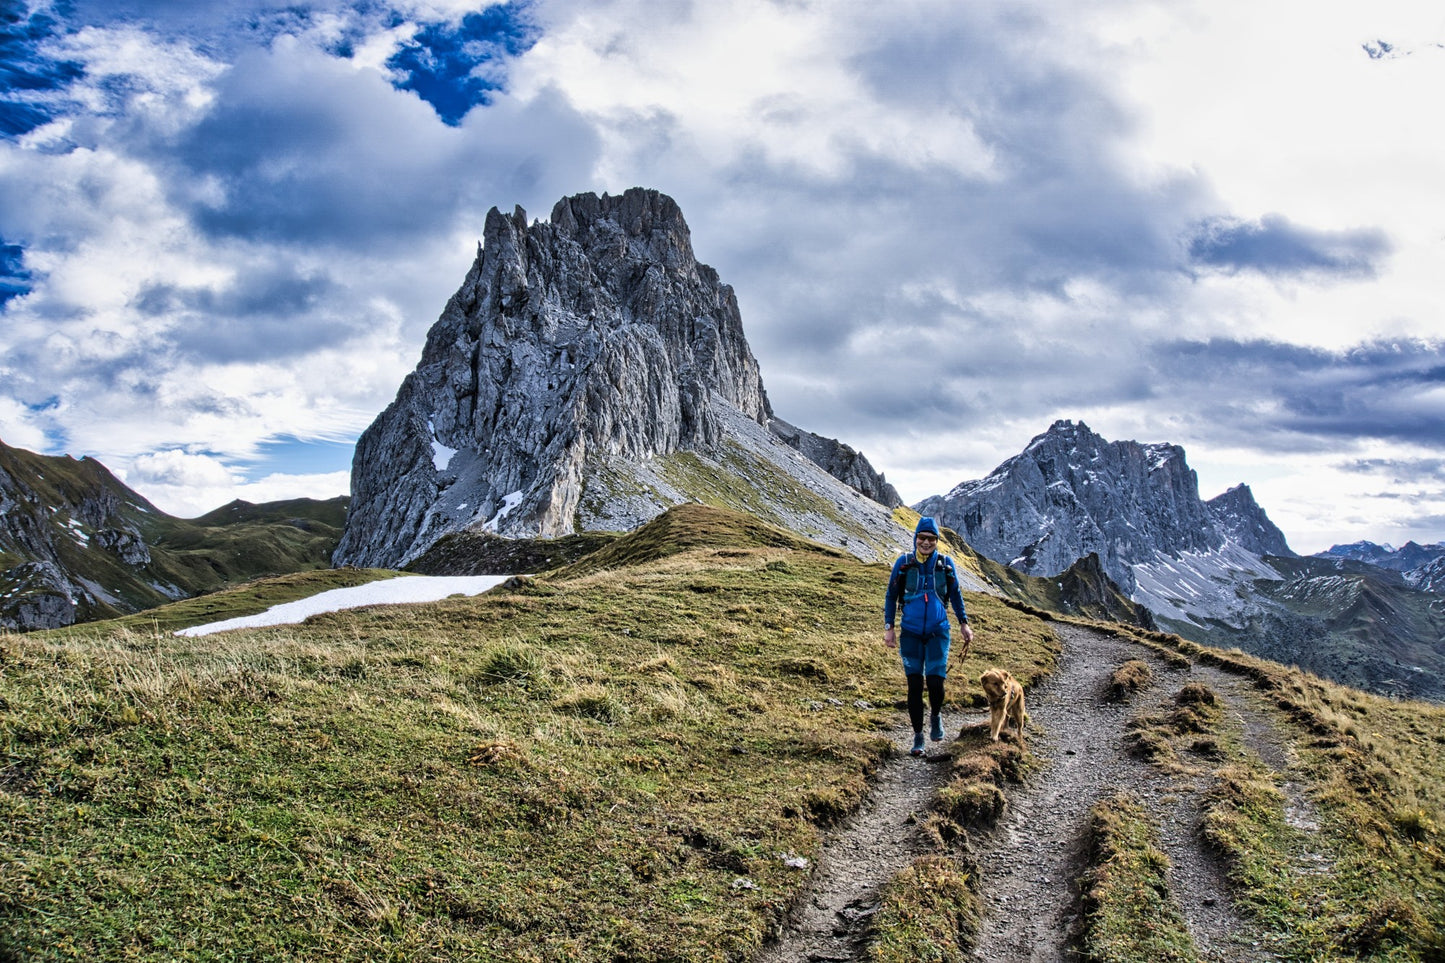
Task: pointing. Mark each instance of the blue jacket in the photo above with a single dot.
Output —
(925, 611)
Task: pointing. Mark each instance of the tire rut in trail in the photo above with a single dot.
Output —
(1029, 865)
(830, 921)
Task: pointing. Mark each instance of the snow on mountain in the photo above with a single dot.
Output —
(1070, 493)
(1219, 572)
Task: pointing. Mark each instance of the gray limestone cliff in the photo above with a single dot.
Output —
(64, 526)
(1071, 493)
(1238, 517)
(1217, 572)
(588, 373)
(840, 461)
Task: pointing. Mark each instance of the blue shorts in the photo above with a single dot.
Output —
(924, 655)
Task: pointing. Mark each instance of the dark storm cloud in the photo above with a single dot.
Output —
(300, 148)
(1313, 397)
(1400, 471)
(1056, 204)
(259, 316)
(907, 280)
(1275, 246)
(845, 273)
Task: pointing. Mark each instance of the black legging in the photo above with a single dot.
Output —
(915, 698)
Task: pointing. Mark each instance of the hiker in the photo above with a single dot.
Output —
(927, 583)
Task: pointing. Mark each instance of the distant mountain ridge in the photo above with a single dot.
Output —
(1216, 571)
(1071, 493)
(588, 374)
(76, 544)
(1423, 566)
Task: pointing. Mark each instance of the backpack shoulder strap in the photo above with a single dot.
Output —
(900, 572)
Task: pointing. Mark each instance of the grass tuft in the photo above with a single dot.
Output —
(1128, 679)
(928, 912)
(1130, 915)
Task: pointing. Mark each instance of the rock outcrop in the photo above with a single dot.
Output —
(1218, 572)
(1070, 493)
(65, 527)
(840, 461)
(1238, 517)
(588, 374)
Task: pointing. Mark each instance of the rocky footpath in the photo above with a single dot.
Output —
(1030, 862)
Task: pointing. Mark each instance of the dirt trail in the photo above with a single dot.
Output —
(831, 922)
(1029, 864)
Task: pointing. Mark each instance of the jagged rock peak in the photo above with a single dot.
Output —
(594, 336)
(1070, 492)
(1245, 523)
(840, 461)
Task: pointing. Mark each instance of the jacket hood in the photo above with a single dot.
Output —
(928, 525)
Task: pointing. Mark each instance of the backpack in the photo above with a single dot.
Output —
(911, 575)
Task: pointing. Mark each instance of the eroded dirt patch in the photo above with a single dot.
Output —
(831, 921)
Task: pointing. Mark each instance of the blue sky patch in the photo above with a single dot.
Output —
(25, 72)
(296, 456)
(14, 279)
(454, 67)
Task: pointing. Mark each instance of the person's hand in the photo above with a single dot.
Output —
(967, 637)
(889, 639)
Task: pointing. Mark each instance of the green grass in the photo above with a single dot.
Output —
(1128, 679)
(1130, 915)
(580, 768)
(585, 766)
(924, 910)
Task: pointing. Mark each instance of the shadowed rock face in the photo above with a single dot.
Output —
(840, 461)
(1070, 493)
(1238, 516)
(593, 337)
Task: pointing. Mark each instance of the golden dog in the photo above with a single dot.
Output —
(1005, 702)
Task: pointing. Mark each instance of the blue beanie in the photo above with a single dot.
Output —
(926, 524)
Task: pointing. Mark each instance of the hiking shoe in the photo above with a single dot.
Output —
(917, 749)
(937, 731)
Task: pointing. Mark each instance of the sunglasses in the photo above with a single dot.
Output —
(928, 538)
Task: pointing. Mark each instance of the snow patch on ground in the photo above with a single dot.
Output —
(441, 455)
(396, 591)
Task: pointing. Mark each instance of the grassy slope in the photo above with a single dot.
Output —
(579, 769)
(1370, 883)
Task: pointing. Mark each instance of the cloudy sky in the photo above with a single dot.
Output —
(225, 227)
